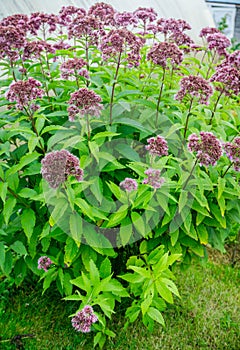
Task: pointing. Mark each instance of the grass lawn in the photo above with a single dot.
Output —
(206, 317)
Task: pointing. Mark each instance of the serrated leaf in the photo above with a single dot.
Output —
(138, 223)
(156, 315)
(221, 186)
(94, 273)
(8, 208)
(28, 220)
(117, 217)
(71, 250)
(105, 268)
(146, 304)
(183, 199)
(75, 223)
(2, 255)
(3, 191)
(163, 291)
(202, 234)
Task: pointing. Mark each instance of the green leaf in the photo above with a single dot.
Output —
(146, 304)
(2, 255)
(117, 217)
(28, 158)
(183, 199)
(174, 237)
(8, 263)
(217, 213)
(126, 231)
(132, 278)
(156, 315)
(28, 220)
(71, 251)
(138, 223)
(98, 242)
(94, 273)
(164, 291)
(58, 211)
(202, 234)
(27, 193)
(85, 208)
(32, 143)
(221, 186)
(19, 248)
(105, 268)
(145, 272)
(104, 134)
(75, 223)
(8, 208)
(115, 189)
(170, 285)
(3, 191)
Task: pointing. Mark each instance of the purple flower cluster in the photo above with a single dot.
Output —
(119, 41)
(195, 86)
(44, 263)
(68, 13)
(18, 21)
(72, 67)
(129, 184)
(84, 101)
(172, 26)
(58, 165)
(24, 92)
(145, 14)
(39, 20)
(33, 49)
(104, 12)
(124, 19)
(232, 150)
(182, 39)
(154, 178)
(11, 40)
(219, 42)
(85, 26)
(234, 59)
(162, 52)
(83, 320)
(207, 146)
(208, 31)
(157, 146)
(227, 79)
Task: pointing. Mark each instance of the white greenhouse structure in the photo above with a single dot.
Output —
(195, 12)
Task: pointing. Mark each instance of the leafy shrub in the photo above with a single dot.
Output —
(119, 151)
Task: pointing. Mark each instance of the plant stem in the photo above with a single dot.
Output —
(159, 97)
(188, 178)
(20, 199)
(113, 87)
(88, 127)
(225, 172)
(34, 128)
(210, 64)
(187, 119)
(215, 107)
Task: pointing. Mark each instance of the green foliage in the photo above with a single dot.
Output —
(94, 230)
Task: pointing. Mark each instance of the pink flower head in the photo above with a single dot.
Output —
(42, 21)
(85, 26)
(104, 12)
(19, 21)
(44, 263)
(33, 49)
(162, 52)
(72, 67)
(219, 42)
(208, 30)
(182, 39)
(232, 150)
(124, 19)
(83, 320)
(129, 184)
(207, 146)
(84, 101)
(146, 14)
(11, 40)
(58, 165)
(119, 41)
(172, 26)
(234, 59)
(23, 92)
(194, 86)
(68, 13)
(153, 178)
(157, 146)
(227, 79)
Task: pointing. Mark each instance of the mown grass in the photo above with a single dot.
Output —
(206, 317)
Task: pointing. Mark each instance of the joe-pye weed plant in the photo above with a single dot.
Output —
(119, 156)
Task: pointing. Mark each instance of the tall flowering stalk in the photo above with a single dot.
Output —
(207, 149)
(84, 102)
(193, 87)
(160, 54)
(124, 46)
(232, 150)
